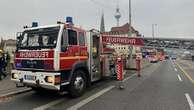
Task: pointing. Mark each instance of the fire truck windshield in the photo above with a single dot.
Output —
(39, 38)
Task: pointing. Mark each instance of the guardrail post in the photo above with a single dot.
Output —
(120, 73)
(138, 66)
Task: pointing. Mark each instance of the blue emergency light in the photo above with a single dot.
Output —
(34, 24)
(69, 20)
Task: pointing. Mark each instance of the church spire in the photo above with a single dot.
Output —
(102, 26)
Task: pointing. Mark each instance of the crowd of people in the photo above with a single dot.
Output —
(5, 64)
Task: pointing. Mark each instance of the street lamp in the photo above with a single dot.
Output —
(130, 30)
(153, 30)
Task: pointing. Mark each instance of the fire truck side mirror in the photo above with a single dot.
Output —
(19, 38)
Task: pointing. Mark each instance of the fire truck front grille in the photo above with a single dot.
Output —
(37, 64)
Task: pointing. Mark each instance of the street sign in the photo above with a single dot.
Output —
(122, 40)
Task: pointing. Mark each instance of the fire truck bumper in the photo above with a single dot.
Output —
(47, 80)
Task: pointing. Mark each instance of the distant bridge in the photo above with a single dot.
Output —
(178, 43)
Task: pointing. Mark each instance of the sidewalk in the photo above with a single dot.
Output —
(6, 86)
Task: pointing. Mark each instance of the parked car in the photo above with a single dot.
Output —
(173, 57)
(186, 55)
(166, 57)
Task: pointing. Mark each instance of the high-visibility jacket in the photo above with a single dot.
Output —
(11, 58)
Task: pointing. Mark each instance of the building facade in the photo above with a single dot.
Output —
(8, 45)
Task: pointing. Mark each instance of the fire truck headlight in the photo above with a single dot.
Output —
(53, 79)
(15, 75)
(57, 79)
(49, 79)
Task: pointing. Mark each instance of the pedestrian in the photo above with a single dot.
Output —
(11, 61)
(6, 57)
(112, 66)
(2, 65)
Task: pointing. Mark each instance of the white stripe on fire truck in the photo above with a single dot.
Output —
(34, 58)
(61, 58)
(75, 57)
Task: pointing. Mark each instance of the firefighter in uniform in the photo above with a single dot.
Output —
(2, 65)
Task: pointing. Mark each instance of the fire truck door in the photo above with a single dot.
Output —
(95, 59)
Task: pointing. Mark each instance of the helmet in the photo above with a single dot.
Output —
(1, 51)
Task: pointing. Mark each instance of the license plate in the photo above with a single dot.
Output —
(30, 77)
(20, 85)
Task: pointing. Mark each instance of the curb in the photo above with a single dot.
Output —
(15, 93)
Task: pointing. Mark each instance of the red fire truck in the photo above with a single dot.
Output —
(59, 57)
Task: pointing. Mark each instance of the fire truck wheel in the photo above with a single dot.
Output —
(78, 84)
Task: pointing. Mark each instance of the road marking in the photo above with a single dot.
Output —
(189, 101)
(185, 73)
(89, 99)
(43, 107)
(15, 93)
(77, 106)
(179, 77)
(175, 69)
(128, 78)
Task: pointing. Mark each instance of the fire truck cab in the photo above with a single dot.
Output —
(58, 57)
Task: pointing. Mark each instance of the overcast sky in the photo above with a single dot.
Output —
(173, 17)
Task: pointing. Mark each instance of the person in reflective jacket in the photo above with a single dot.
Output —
(2, 65)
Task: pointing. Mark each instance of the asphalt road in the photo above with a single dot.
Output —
(163, 86)
(34, 101)
(160, 90)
